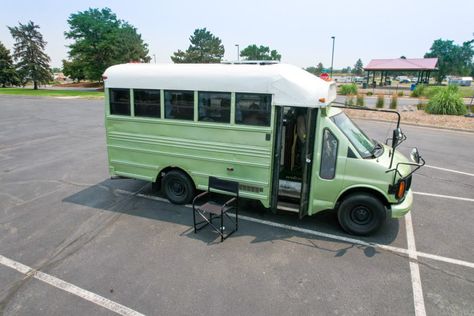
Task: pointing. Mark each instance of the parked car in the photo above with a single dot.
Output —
(404, 80)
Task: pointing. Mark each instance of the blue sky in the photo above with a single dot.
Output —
(300, 30)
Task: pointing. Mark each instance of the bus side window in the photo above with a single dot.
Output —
(147, 103)
(119, 101)
(328, 155)
(214, 107)
(253, 109)
(179, 105)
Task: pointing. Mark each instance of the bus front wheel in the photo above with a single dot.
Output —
(361, 214)
(178, 187)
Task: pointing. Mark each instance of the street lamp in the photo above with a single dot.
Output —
(332, 58)
(238, 52)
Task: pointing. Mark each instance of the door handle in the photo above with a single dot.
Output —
(230, 169)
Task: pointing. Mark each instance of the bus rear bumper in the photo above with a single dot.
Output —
(399, 210)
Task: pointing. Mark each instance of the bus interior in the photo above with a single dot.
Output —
(295, 135)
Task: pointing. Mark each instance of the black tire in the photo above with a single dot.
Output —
(178, 187)
(361, 214)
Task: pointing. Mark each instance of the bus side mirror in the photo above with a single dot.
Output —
(397, 137)
(415, 155)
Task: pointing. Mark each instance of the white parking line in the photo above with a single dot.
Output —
(445, 196)
(450, 170)
(70, 288)
(330, 236)
(414, 269)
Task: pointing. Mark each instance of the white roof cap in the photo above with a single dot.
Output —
(289, 85)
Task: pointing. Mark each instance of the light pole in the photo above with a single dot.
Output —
(332, 58)
(238, 52)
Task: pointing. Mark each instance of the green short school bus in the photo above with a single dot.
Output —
(271, 127)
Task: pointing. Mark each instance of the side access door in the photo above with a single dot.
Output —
(311, 117)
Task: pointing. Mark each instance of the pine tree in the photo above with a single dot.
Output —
(8, 75)
(32, 61)
(204, 48)
(358, 68)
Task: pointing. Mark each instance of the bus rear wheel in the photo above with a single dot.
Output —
(178, 187)
(361, 214)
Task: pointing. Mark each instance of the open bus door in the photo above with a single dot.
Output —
(308, 163)
(278, 130)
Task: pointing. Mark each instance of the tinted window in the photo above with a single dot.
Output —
(119, 101)
(328, 155)
(179, 105)
(253, 109)
(214, 107)
(147, 103)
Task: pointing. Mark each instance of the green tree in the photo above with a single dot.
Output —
(254, 52)
(319, 69)
(358, 68)
(205, 48)
(311, 69)
(32, 61)
(102, 40)
(346, 70)
(452, 59)
(74, 69)
(8, 75)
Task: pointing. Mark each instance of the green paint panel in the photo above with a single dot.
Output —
(141, 148)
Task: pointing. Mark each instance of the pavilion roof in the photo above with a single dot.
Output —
(413, 64)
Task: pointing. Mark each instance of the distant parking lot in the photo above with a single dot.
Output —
(72, 241)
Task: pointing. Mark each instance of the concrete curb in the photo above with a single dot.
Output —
(419, 125)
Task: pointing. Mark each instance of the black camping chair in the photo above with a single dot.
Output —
(217, 205)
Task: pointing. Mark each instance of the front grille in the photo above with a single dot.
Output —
(250, 188)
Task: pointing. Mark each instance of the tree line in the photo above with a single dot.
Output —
(357, 70)
(100, 39)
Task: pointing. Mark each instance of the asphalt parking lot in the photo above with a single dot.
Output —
(72, 241)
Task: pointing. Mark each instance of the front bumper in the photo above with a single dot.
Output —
(398, 210)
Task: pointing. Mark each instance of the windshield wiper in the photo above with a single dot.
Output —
(378, 147)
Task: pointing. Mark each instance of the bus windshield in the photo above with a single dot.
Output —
(364, 145)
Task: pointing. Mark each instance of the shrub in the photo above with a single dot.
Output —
(419, 91)
(420, 105)
(431, 91)
(360, 100)
(349, 101)
(447, 101)
(380, 101)
(348, 89)
(394, 102)
(400, 93)
(369, 93)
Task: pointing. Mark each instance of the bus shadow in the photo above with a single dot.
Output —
(138, 198)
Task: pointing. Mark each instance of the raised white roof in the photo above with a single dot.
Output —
(289, 85)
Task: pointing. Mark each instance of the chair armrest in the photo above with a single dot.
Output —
(232, 200)
(199, 196)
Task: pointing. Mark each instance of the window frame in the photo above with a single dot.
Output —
(229, 121)
(130, 112)
(159, 103)
(322, 155)
(193, 116)
(270, 113)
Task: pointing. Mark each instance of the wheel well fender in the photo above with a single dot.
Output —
(165, 170)
(372, 191)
